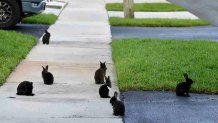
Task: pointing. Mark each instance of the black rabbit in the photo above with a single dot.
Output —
(25, 88)
(103, 90)
(118, 106)
(48, 77)
(46, 37)
(100, 74)
(182, 89)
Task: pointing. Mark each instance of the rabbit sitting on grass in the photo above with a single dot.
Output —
(182, 89)
(118, 106)
(48, 77)
(103, 90)
(25, 88)
(100, 74)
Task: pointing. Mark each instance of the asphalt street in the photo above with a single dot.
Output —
(200, 32)
(166, 107)
(36, 30)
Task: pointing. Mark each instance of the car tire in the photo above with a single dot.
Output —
(10, 13)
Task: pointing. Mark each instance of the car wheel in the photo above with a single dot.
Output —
(9, 13)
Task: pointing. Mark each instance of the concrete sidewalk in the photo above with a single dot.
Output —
(170, 15)
(80, 39)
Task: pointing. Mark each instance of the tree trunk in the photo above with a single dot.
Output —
(128, 8)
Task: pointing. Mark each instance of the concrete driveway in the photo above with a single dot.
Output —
(205, 9)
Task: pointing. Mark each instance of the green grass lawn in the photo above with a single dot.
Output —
(146, 7)
(13, 48)
(150, 64)
(115, 21)
(41, 19)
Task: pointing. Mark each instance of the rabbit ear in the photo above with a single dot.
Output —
(46, 67)
(108, 81)
(115, 94)
(100, 62)
(43, 68)
(185, 75)
(105, 62)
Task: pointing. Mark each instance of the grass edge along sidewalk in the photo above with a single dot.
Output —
(156, 22)
(13, 49)
(151, 64)
(41, 19)
(147, 7)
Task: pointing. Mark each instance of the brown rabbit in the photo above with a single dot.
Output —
(100, 74)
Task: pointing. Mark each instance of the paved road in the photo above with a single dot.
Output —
(36, 30)
(165, 107)
(206, 9)
(205, 32)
